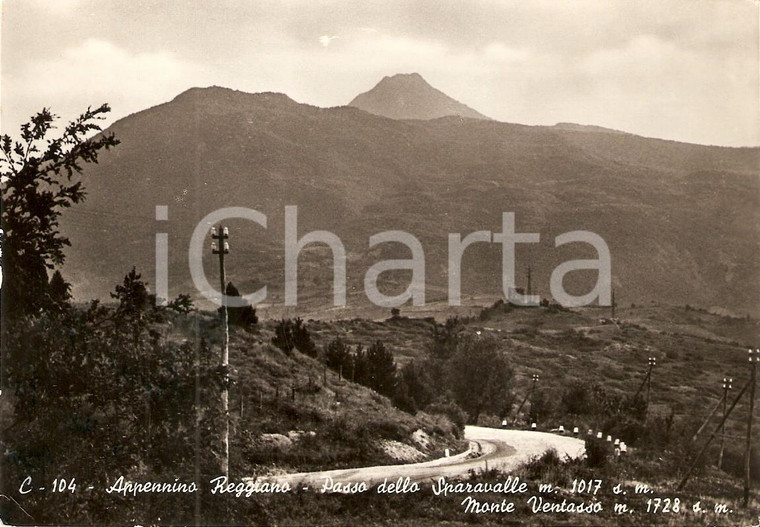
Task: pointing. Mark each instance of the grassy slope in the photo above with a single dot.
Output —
(284, 394)
(695, 349)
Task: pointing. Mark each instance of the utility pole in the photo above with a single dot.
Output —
(530, 288)
(754, 358)
(221, 248)
(527, 396)
(712, 436)
(612, 306)
(727, 386)
(652, 364)
(197, 365)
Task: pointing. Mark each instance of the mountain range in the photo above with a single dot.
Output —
(681, 220)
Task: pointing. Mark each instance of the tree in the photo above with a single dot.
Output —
(37, 180)
(480, 377)
(91, 402)
(182, 304)
(283, 336)
(59, 290)
(293, 334)
(337, 355)
(133, 295)
(381, 369)
(414, 387)
(359, 368)
(444, 338)
(244, 316)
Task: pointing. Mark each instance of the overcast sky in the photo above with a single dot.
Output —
(677, 69)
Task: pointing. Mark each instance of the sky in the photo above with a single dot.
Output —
(686, 70)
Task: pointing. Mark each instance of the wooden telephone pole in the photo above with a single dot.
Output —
(223, 247)
(530, 284)
(612, 306)
(727, 386)
(652, 364)
(754, 358)
(528, 395)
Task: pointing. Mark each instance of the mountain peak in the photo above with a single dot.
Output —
(405, 77)
(410, 96)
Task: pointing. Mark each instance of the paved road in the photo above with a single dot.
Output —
(491, 447)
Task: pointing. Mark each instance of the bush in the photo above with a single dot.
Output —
(549, 468)
(597, 452)
(451, 410)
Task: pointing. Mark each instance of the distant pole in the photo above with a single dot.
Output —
(612, 305)
(727, 385)
(530, 288)
(223, 247)
(712, 436)
(528, 395)
(652, 364)
(754, 358)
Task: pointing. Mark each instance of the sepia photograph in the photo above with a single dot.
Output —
(363, 263)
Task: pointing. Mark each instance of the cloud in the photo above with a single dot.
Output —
(55, 7)
(680, 69)
(326, 39)
(94, 72)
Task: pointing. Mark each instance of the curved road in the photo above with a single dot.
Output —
(489, 447)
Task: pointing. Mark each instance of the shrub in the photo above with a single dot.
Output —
(451, 410)
(597, 452)
(549, 468)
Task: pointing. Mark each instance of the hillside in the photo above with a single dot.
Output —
(409, 96)
(289, 413)
(681, 220)
(694, 350)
